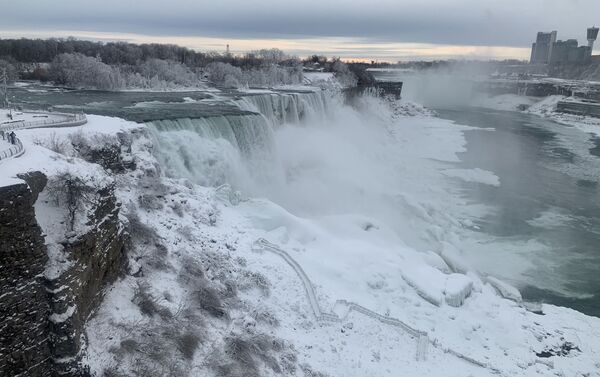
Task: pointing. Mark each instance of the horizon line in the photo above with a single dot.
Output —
(347, 49)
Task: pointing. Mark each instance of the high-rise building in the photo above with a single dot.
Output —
(547, 50)
(592, 34)
(569, 52)
(541, 50)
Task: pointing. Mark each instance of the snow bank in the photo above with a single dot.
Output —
(506, 290)
(434, 260)
(427, 281)
(505, 102)
(454, 259)
(437, 287)
(458, 287)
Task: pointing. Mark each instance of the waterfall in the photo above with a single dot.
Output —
(282, 108)
(238, 149)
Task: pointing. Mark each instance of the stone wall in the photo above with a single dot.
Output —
(24, 306)
(579, 108)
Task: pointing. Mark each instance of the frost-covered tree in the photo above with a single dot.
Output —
(83, 71)
(224, 74)
(11, 71)
(267, 75)
(343, 73)
(270, 56)
(169, 71)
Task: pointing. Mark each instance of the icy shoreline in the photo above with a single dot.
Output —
(544, 108)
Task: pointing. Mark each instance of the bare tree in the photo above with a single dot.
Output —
(71, 191)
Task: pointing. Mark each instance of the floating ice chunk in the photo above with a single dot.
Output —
(504, 289)
(458, 288)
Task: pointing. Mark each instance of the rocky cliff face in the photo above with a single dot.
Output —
(97, 258)
(24, 305)
(43, 315)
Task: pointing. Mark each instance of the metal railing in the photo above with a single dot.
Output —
(346, 307)
(14, 150)
(68, 120)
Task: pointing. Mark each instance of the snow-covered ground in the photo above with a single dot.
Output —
(320, 79)
(202, 239)
(13, 118)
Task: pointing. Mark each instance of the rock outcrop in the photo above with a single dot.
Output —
(43, 316)
(24, 305)
(97, 258)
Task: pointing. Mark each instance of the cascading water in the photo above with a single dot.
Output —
(307, 152)
(281, 108)
(238, 149)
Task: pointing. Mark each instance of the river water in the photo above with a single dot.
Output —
(547, 204)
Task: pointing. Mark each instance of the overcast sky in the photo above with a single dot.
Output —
(379, 29)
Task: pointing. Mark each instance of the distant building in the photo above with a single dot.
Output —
(547, 50)
(592, 34)
(569, 52)
(541, 50)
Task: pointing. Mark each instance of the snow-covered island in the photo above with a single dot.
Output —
(302, 235)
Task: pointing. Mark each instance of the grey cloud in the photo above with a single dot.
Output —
(465, 22)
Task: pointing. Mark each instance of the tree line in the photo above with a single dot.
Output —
(26, 50)
(119, 65)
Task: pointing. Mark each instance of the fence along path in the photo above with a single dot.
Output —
(56, 120)
(14, 150)
(60, 120)
(346, 307)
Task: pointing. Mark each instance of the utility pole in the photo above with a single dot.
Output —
(4, 90)
(5, 102)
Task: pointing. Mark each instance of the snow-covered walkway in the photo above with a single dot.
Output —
(343, 308)
(35, 119)
(32, 119)
(8, 150)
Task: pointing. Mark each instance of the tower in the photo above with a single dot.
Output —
(592, 34)
(227, 51)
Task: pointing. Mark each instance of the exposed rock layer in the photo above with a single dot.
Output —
(43, 317)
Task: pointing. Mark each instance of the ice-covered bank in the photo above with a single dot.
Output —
(544, 107)
(360, 211)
